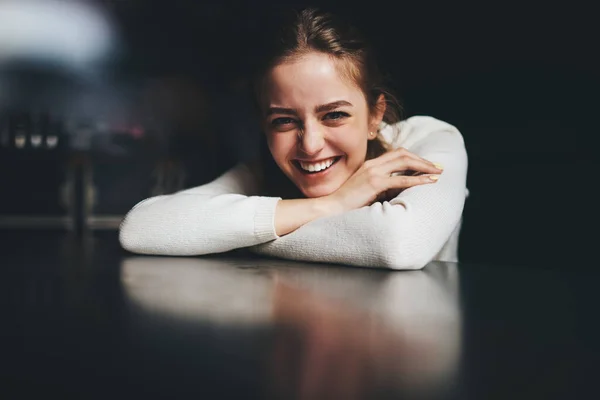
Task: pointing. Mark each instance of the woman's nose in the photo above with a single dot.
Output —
(312, 140)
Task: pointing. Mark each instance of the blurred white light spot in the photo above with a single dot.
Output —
(68, 32)
(51, 141)
(36, 140)
(20, 141)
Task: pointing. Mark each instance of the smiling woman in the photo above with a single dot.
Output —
(368, 189)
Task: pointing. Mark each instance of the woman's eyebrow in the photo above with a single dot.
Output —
(318, 109)
(331, 106)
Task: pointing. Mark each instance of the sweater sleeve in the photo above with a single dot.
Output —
(220, 216)
(404, 233)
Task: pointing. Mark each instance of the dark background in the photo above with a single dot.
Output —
(519, 80)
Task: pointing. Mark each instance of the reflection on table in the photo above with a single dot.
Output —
(329, 332)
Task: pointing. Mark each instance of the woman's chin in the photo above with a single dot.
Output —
(320, 191)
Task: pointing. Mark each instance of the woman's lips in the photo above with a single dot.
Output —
(321, 172)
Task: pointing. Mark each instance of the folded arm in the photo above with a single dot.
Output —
(404, 233)
(213, 218)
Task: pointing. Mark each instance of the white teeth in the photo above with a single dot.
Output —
(315, 167)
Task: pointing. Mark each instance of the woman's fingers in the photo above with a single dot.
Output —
(402, 159)
(384, 176)
(402, 181)
(402, 171)
(414, 165)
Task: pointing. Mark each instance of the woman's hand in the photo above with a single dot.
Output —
(377, 179)
(385, 175)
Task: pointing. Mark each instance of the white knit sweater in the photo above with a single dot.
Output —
(420, 225)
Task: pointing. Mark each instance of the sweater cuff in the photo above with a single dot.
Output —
(264, 219)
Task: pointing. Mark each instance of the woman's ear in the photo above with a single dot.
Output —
(378, 113)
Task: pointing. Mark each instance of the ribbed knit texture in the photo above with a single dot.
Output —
(419, 225)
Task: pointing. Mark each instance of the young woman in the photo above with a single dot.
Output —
(342, 179)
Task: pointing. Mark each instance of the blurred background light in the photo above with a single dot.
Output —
(72, 34)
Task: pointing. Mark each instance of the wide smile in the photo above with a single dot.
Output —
(316, 169)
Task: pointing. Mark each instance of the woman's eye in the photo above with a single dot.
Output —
(336, 115)
(282, 121)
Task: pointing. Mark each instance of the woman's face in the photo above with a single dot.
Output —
(317, 123)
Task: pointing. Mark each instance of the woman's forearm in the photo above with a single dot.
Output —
(195, 224)
(292, 214)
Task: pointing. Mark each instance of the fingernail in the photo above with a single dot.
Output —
(434, 177)
(438, 165)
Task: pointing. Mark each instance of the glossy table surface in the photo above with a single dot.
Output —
(84, 319)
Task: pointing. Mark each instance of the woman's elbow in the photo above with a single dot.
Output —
(129, 239)
(397, 260)
(404, 251)
(139, 234)
(137, 227)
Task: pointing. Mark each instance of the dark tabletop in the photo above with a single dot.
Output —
(83, 319)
